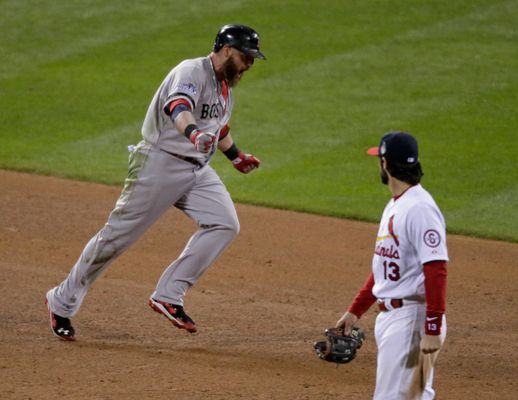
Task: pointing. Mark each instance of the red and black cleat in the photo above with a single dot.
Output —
(61, 326)
(175, 314)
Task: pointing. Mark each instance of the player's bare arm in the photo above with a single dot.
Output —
(225, 143)
(183, 120)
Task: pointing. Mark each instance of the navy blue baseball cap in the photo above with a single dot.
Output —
(397, 147)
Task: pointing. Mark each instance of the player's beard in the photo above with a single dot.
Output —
(231, 72)
(384, 176)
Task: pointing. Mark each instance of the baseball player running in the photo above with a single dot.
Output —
(408, 278)
(186, 122)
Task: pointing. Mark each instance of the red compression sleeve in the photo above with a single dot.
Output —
(364, 299)
(435, 274)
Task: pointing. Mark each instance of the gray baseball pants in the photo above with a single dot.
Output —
(156, 181)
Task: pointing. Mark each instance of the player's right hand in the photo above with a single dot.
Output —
(245, 162)
(203, 141)
(346, 322)
(430, 343)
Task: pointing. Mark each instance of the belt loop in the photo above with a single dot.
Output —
(388, 304)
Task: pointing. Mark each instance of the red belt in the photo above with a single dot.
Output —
(395, 303)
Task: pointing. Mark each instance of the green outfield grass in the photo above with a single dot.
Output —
(76, 78)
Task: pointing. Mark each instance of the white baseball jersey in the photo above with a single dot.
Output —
(194, 81)
(412, 232)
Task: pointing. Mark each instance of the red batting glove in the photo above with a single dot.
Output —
(203, 141)
(245, 162)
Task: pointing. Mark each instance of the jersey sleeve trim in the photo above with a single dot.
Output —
(178, 96)
(178, 102)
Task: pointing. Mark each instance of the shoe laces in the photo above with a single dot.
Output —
(62, 321)
(180, 313)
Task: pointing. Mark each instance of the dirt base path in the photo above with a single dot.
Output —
(259, 308)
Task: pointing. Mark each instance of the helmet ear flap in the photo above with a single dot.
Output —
(217, 44)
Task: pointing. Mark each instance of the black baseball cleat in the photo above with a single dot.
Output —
(175, 314)
(61, 326)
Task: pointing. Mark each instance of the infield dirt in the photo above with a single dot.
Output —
(258, 308)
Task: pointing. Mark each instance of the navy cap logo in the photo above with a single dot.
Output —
(383, 148)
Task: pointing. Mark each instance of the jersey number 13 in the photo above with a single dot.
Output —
(391, 271)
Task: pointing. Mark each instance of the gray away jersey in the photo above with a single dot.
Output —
(195, 81)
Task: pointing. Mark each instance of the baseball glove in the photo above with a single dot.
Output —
(338, 348)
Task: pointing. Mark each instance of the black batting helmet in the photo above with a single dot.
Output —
(240, 37)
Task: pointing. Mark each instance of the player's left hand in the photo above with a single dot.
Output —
(245, 162)
(430, 343)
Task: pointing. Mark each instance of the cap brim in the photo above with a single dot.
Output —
(260, 55)
(254, 53)
(373, 151)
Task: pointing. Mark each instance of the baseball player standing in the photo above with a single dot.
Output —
(408, 278)
(186, 122)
